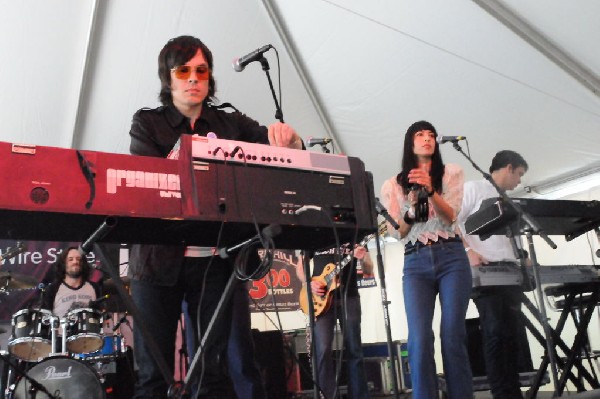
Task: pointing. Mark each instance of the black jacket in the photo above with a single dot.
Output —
(154, 132)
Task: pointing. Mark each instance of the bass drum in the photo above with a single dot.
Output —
(63, 377)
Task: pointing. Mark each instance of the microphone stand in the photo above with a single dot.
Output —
(384, 299)
(531, 227)
(311, 325)
(265, 67)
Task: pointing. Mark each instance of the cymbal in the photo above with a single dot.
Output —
(16, 281)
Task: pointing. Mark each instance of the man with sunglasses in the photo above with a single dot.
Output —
(164, 276)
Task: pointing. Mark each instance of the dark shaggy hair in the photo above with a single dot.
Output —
(507, 157)
(410, 161)
(61, 265)
(177, 52)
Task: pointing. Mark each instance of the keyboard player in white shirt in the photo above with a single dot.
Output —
(505, 347)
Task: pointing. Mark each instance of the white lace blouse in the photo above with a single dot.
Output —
(397, 204)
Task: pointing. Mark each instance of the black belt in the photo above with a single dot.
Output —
(410, 248)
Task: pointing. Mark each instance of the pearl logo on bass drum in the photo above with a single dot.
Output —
(52, 374)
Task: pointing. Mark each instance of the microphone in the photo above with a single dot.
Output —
(12, 252)
(452, 139)
(240, 63)
(106, 226)
(314, 141)
(98, 301)
(270, 231)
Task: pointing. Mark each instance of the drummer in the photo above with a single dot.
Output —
(71, 288)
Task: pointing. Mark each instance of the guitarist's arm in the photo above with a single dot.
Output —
(367, 266)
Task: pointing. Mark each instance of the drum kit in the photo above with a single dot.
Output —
(76, 355)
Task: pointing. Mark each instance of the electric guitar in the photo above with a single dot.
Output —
(330, 276)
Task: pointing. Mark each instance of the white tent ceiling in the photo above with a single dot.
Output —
(73, 72)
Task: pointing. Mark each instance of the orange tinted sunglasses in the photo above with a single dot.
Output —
(183, 72)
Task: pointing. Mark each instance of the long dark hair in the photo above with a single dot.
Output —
(177, 52)
(60, 267)
(410, 160)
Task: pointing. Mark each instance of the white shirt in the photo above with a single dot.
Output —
(496, 248)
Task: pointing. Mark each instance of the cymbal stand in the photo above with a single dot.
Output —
(532, 227)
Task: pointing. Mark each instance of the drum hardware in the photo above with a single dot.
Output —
(16, 281)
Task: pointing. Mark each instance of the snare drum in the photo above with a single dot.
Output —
(31, 338)
(84, 330)
(69, 377)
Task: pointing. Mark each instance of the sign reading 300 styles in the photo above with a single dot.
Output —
(279, 289)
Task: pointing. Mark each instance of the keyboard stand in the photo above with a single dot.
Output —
(572, 291)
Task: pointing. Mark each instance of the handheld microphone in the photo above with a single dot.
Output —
(312, 141)
(452, 139)
(240, 63)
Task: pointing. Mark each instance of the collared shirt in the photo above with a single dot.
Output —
(496, 248)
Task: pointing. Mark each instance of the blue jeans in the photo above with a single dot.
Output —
(442, 268)
(502, 330)
(160, 308)
(323, 338)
